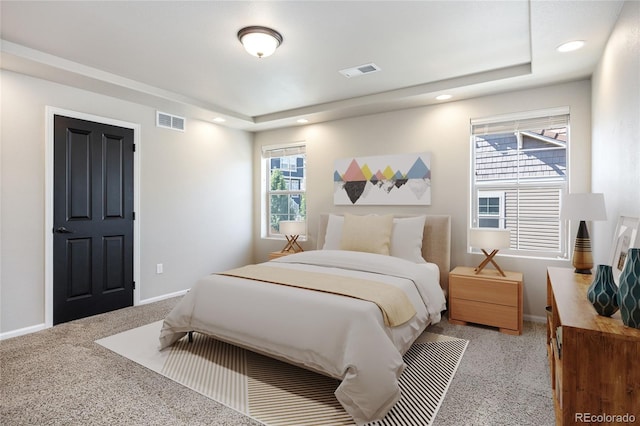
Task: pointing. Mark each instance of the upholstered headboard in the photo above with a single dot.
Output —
(436, 242)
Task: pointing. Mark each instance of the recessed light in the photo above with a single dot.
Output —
(443, 97)
(302, 121)
(219, 120)
(570, 46)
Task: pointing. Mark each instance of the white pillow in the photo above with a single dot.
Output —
(406, 238)
(369, 234)
(333, 234)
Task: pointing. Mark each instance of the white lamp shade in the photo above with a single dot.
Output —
(259, 44)
(293, 227)
(489, 238)
(584, 206)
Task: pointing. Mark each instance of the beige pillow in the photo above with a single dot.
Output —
(371, 233)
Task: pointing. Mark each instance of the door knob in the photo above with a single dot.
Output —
(63, 230)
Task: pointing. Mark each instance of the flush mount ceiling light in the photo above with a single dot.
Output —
(570, 46)
(443, 97)
(259, 41)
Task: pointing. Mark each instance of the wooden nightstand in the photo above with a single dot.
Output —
(277, 254)
(486, 298)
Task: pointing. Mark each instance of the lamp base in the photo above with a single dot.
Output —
(489, 258)
(292, 244)
(582, 256)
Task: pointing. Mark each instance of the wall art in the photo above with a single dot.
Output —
(402, 179)
(624, 238)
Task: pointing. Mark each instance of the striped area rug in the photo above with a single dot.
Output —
(279, 394)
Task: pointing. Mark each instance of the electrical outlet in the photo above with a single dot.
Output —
(159, 268)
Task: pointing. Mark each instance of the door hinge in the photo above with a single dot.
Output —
(134, 285)
(133, 215)
(134, 147)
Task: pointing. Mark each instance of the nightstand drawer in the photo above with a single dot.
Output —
(485, 313)
(484, 290)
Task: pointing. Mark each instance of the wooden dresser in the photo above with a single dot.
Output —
(486, 298)
(594, 360)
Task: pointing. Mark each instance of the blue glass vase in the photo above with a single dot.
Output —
(603, 292)
(629, 290)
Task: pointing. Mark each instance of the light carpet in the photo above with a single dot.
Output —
(279, 394)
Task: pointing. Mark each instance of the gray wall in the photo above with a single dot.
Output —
(442, 130)
(616, 128)
(195, 199)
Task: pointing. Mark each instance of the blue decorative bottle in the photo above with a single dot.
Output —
(629, 290)
(603, 292)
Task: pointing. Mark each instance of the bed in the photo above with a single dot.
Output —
(357, 340)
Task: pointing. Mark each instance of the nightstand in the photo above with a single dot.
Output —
(486, 298)
(277, 254)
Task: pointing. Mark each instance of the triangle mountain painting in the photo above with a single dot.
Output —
(402, 179)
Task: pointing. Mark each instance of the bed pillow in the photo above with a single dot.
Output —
(406, 238)
(333, 234)
(371, 233)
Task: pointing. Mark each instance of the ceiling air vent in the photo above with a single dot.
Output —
(360, 70)
(169, 121)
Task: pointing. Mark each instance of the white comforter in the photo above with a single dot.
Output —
(340, 336)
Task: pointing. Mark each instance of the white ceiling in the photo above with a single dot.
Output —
(183, 57)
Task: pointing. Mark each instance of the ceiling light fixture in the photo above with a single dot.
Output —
(570, 46)
(443, 97)
(219, 120)
(259, 41)
(302, 121)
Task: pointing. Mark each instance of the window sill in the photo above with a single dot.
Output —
(300, 239)
(532, 256)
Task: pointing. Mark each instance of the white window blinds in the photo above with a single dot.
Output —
(511, 124)
(282, 150)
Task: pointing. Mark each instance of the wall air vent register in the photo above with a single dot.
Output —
(169, 121)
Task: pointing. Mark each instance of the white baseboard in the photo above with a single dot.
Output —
(534, 318)
(163, 297)
(22, 331)
(39, 327)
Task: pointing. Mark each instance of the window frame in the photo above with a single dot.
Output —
(503, 125)
(286, 151)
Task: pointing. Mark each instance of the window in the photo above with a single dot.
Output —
(491, 209)
(519, 171)
(285, 185)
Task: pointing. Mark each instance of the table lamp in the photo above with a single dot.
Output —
(583, 207)
(292, 229)
(489, 238)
